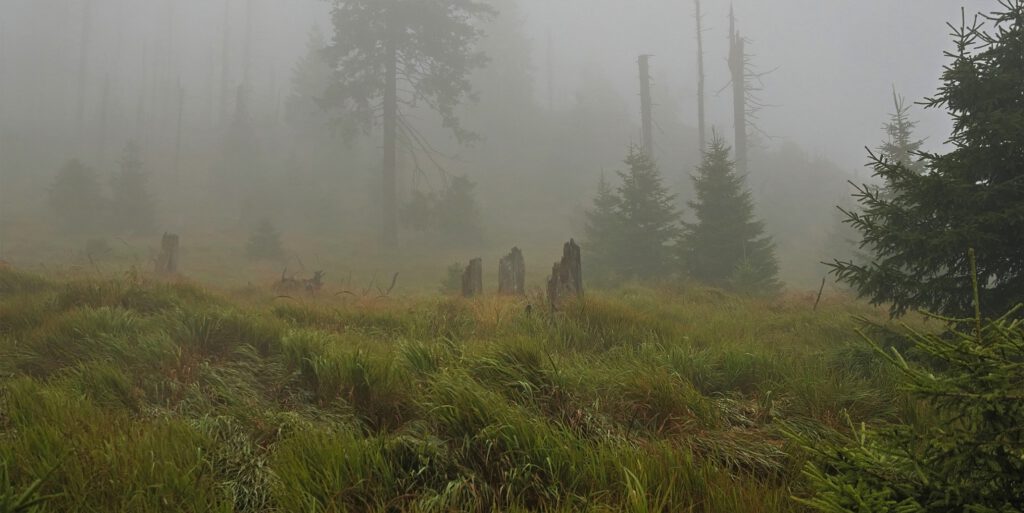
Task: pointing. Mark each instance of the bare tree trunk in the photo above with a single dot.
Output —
(177, 142)
(389, 193)
(83, 66)
(101, 143)
(701, 128)
(167, 262)
(646, 115)
(566, 279)
(250, 8)
(225, 64)
(473, 278)
(737, 68)
(550, 76)
(512, 274)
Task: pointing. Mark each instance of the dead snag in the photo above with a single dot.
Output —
(512, 274)
(167, 262)
(473, 278)
(566, 279)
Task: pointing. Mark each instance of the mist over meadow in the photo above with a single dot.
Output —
(226, 102)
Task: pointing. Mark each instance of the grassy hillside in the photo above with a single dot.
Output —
(130, 395)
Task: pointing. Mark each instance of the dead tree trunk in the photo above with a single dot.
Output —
(167, 262)
(83, 67)
(389, 164)
(646, 106)
(737, 69)
(225, 63)
(473, 278)
(512, 274)
(700, 79)
(566, 279)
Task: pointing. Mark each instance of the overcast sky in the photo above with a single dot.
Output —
(835, 60)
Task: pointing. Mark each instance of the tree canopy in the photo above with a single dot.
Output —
(919, 228)
(390, 54)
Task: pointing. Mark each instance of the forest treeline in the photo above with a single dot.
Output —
(223, 148)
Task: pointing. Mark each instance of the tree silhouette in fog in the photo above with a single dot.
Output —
(394, 54)
(631, 229)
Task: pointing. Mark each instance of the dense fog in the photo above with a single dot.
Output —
(226, 102)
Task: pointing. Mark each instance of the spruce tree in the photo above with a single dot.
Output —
(918, 229)
(603, 230)
(969, 458)
(726, 246)
(131, 205)
(76, 200)
(842, 242)
(265, 243)
(900, 144)
(647, 218)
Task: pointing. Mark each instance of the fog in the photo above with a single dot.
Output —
(558, 105)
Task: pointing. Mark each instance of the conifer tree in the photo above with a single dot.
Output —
(265, 243)
(391, 54)
(649, 218)
(603, 229)
(726, 246)
(971, 458)
(842, 241)
(918, 229)
(76, 200)
(131, 204)
(633, 228)
(900, 145)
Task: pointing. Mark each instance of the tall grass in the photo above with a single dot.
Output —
(137, 396)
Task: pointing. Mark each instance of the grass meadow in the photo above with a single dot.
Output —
(130, 394)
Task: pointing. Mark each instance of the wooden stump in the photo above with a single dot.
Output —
(167, 262)
(473, 278)
(566, 279)
(512, 274)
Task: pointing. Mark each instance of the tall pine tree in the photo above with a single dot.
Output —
(920, 228)
(395, 54)
(726, 246)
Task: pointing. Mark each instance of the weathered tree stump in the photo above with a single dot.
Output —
(512, 274)
(566, 279)
(167, 262)
(473, 278)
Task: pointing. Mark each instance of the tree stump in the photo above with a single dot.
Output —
(167, 262)
(512, 274)
(566, 279)
(473, 278)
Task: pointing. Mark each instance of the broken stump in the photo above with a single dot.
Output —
(512, 274)
(566, 280)
(473, 278)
